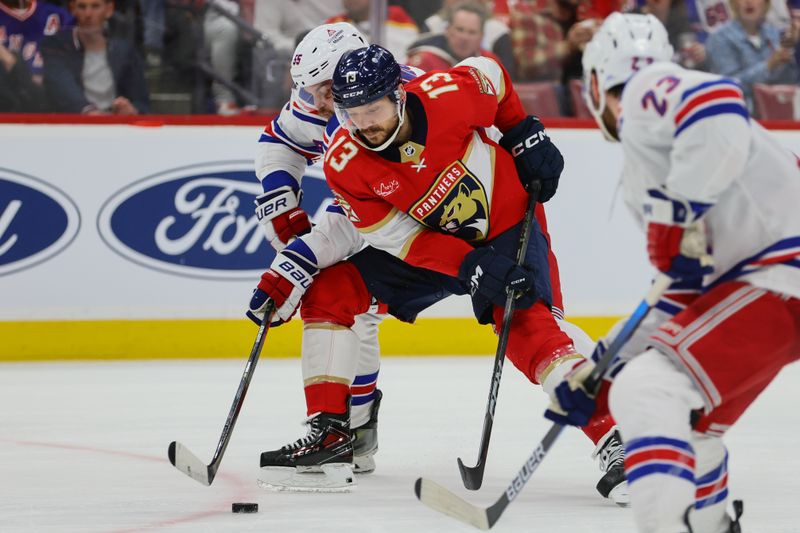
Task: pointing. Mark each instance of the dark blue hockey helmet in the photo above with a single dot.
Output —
(365, 75)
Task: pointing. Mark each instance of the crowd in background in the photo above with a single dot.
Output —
(232, 56)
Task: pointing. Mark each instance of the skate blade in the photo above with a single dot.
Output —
(336, 477)
(364, 464)
(620, 495)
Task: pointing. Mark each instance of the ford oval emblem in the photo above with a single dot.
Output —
(196, 221)
(37, 221)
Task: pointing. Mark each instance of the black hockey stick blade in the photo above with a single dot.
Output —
(472, 476)
(184, 460)
(443, 500)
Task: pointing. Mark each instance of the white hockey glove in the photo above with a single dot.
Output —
(279, 214)
(288, 278)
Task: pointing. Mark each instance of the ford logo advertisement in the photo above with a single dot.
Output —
(37, 221)
(197, 221)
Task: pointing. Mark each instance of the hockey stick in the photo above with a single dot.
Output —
(181, 457)
(472, 476)
(443, 500)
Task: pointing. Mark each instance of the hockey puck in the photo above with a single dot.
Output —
(244, 507)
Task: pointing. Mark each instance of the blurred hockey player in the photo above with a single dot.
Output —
(340, 368)
(439, 201)
(705, 182)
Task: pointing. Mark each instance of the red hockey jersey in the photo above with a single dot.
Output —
(451, 185)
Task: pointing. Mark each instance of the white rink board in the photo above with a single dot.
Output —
(603, 267)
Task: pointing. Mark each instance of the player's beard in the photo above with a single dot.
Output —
(324, 111)
(610, 122)
(377, 134)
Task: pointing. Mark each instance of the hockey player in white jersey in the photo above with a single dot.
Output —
(704, 181)
(337, 368)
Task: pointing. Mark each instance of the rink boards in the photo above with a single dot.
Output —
(119, 241)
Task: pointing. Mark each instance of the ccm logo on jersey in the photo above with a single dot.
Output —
(37, 221)
(530, 142)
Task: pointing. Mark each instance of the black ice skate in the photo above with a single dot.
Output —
(733, 526)
(365, 439)
(322, 461)
(611, 458)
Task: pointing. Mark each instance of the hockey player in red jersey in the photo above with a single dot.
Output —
(439, 197)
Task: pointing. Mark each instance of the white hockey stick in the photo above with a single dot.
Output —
(443, 500)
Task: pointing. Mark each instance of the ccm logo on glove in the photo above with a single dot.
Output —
(530, 142)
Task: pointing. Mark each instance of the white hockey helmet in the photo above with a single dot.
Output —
(623, 44)
(317, 54)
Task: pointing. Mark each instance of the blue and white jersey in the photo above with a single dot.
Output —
(22, 30)
(293, 140)
(689, 133)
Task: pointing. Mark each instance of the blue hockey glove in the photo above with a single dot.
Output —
(536, 157)
(493, 275)
(571, 404)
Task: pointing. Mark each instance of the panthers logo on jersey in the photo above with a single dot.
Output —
(456, 204)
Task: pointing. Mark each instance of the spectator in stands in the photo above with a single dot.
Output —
(496, 34)
(23, 25)
(281, 21)
(400, 28)
(87, 72)
(461, 39)
(221, 38)
(153, 24)
(750, 49)
(687, 24)
(19, 93)
(419, 11)
(548, 45)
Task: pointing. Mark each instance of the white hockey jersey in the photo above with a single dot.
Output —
(689, 132)
(294, 139)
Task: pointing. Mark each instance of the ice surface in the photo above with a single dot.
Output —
(83, 448)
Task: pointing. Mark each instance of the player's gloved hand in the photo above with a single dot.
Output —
(288, 278)
(278, 213)
(571, 404)
(493, 275)
(676, 237)
(536, 157)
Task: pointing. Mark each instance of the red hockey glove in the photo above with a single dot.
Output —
(278, 213)
(676, 239)
(284, 283)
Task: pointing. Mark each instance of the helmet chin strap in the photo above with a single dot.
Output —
(401, 112)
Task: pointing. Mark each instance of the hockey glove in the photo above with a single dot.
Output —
(676, 237)
(288, 278)
(571, 404)
(536, 157)
(278, 213)
(494, 275)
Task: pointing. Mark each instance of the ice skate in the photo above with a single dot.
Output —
(733, 525)
(365, 439)
(611, 458)
(322, 461)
